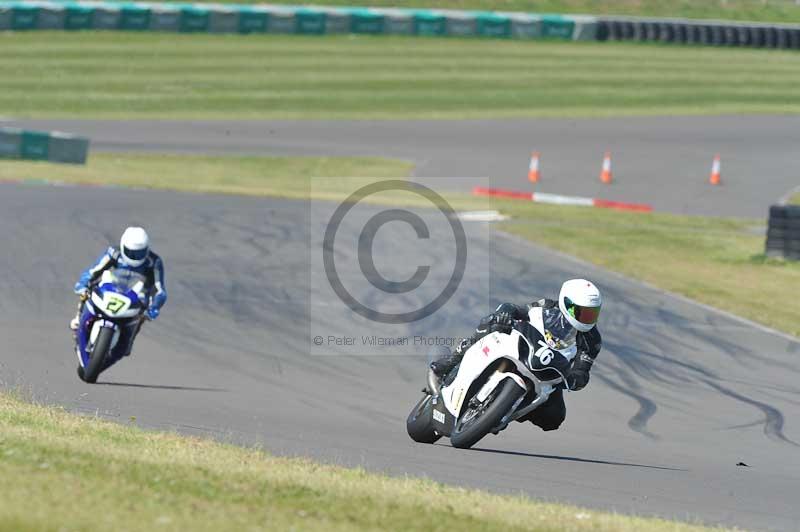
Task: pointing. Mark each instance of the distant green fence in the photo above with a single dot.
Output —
(184, 17)
(52, 146)
(317, 20)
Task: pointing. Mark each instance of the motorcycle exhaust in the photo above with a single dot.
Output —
(434, 386)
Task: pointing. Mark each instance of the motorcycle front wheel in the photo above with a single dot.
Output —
(420, 422)
(479, 419)
(99, 353)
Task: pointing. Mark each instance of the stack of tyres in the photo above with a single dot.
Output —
(770, 37)
(460, 24)
(78, 17)
(223, 19)
(585, 28)
(756, 36)
(794, 38)
(51, 17)
(5, 17)
(716, 35)
(134, 17)
(666, 31)
(429, 23)
(397, 21)
(652, 31)
(743, 36)
(336, 20)
(193, 19)
(557, 27)
(783, 234)
(603, 30)
(164, 17)
(282, 20)
(493, 25)
(627, 30)
(680, 33)
(782, 38)
(310, 21)
(730, 35)
(525, 26)
(253, 19)
(106, 17)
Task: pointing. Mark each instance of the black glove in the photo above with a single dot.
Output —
(502, 321)
(578, 376)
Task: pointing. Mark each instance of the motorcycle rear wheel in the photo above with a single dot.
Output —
(420, 422)
(476, 422)
(99, 353)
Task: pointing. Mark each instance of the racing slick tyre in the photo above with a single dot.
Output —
(99, 353)
(478, 420)
(420, 422)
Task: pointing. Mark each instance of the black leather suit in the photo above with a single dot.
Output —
(551, 414)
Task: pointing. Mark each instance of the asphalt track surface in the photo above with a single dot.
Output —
(664, 161)
(679, 396)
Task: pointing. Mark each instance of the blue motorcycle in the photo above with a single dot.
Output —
(113, 312)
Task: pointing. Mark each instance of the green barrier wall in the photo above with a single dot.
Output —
(187, 18)
(51, 146)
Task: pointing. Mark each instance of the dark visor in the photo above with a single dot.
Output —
(135, 254)
(585, 315)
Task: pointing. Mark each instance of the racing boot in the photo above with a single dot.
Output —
(440, 368)
(76, 321)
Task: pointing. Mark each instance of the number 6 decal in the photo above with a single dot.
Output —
(545, 355)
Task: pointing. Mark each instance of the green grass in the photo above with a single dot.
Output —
(717, 261)
(762, 10)
(130, 75)
(286, 177)
(795, 200)
(59, 471)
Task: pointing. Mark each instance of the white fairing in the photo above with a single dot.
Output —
(477, 358)
(100, 324)
(119, 305)
(495, 346)
(114, 305)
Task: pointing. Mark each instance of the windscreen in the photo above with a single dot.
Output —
(123, 280)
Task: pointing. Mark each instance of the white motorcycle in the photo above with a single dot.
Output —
(502, 377)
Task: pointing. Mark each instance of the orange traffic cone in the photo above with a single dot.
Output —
(716, 177)
(533, 168)
(605, 173)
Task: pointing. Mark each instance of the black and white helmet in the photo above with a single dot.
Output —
(580, 302)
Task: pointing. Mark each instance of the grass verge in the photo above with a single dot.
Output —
(60, 471)
(772, 10)
(716, 261)
(131, 75)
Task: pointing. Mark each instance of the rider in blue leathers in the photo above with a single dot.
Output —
(133, 257)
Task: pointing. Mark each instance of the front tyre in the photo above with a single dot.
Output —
(99, 354)
(420, 422)
(479, 419)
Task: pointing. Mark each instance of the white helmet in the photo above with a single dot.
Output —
(580, 301)
(134, 246)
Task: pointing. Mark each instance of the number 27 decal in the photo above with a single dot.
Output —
(115, 304)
